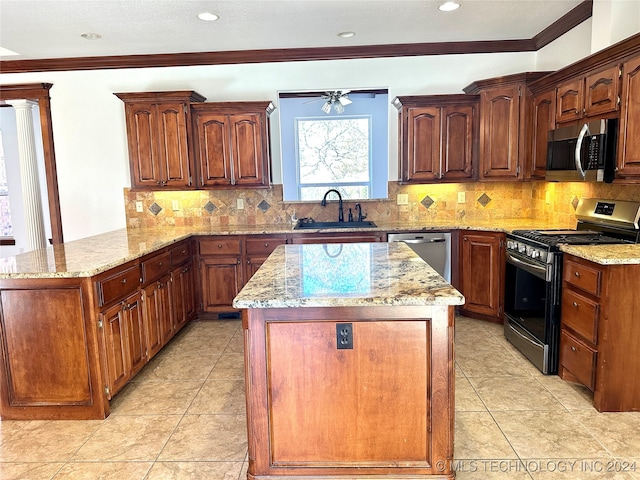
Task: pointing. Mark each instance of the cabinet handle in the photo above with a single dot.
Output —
(124, 280)
(249, 261)
(575, 304)
(577, 274)
(266, 245)
(238, 262)
(219, 245)
(573, 349)
(183, 251)
(160, 264)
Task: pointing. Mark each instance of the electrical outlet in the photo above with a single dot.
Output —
(139, 207)
(175, 205)
(240, 204)
(402, 199)
(344, 336)
(462, 197)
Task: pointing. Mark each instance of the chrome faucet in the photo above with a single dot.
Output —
(340, 211)
(360, 216)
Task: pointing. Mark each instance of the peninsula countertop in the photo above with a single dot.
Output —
(334, 275)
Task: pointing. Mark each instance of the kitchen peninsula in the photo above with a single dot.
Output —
(348, 363)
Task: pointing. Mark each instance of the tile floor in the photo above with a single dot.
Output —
(183, 418)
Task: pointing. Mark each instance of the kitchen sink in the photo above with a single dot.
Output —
(306, 225)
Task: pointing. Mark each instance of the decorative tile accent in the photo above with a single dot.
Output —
(427, 201)
(210, 207)
(155, 208)
(574, 202)
(484, 199)
(264, 206)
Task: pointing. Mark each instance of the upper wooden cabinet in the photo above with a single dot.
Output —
(504, 125)
(437, 135)
(232, 144)
(592, 94)
(629, 127)
(158, 135)
(544, 119)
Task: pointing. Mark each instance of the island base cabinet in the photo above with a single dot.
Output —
(381, 409)
(49, 322)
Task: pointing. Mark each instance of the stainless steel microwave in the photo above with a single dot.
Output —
(585, 152)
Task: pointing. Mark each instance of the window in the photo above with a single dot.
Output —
(6, 228)
(347, 151)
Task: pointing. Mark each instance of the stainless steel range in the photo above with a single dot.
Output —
(534, 274)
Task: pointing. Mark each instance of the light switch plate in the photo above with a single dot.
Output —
(175, 205)
(402, 199)
(139, 207)
(240, 203)
(462, 197)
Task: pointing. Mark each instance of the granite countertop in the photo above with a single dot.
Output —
(92, 255)
(355, 274)
(619, 254)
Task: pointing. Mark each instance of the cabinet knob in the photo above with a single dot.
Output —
(160, 264)
(577, 274)
(573, 349)
(575, 304)
(124, 280)
(249, 261)
(238, 262)
(266, 244)
(219, 245)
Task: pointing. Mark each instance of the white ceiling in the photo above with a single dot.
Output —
(41, 29)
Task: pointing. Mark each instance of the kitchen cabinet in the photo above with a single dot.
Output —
(437, 137)
(159, 322)
(158, 138)
(221, 272)
(629, 128)
(123, 342)
(505, 140)
(258, 248)
(544, 116)
(232, 144)
(590, 95)
(599, 333)
(481, 274)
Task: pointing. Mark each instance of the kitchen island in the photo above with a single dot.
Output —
(348, 364)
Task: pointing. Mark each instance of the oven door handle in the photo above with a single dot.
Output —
(540, 272)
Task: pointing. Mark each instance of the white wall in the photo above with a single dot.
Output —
(614, 20)
(571, 47)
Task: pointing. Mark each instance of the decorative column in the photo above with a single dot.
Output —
(34, 220)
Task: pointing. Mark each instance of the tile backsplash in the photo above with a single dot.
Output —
(554, 202)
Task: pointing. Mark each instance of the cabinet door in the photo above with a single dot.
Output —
(499, 133)
(182, 294)
(133, 317)
(144, 158)
(248, 150)
(221, 280)
(113, 339)
(601, 92)
(152, 320)
(213, 151)
(422, 161)
(458, 125)
(172, 144)
(570, 101)
(629, 136)
(544, 112)
(167, 321)
(482, 273)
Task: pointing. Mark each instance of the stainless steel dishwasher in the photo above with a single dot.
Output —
(433, 247)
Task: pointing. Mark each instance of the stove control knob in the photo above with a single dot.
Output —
(535, 254)
(522, 248)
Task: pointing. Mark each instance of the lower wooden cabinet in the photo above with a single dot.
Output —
(123, 342)
(158, 315)
(183, 294)
(481, 274)
(221, 280)
(600, 332)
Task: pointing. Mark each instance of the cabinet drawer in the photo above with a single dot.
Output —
(180, 254)
(118, 284)
(580, 314)
(585, 277)
(263, 246)
(155, 267)
(221, 246)
(578, 358)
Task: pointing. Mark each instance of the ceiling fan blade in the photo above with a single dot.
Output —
(344, 101)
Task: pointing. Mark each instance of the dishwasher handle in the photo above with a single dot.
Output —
(422, 240)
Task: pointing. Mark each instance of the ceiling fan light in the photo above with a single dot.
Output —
(449, 6)
(326, 108)
(338, 107)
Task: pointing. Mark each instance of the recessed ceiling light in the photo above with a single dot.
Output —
(91, 36)
(208, 16)
(449, 6)
(347, 34)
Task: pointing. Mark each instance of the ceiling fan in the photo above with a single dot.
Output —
(336, 99)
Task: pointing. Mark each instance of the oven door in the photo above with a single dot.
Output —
(529, 312)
